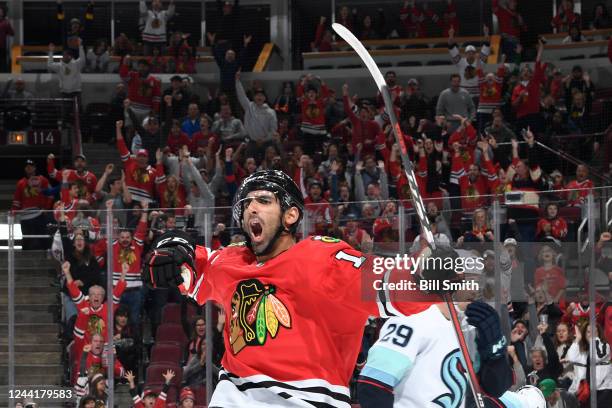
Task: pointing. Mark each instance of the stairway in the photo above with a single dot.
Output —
(99, 155)
(37, 348)
(7, 191)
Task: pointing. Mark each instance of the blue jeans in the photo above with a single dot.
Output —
(69, 307)
(132, 299)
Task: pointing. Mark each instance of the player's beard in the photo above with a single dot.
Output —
(261, 233)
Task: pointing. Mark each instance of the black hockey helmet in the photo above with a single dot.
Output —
(275, 181)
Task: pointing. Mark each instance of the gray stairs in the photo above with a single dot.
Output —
(7, 190)
(99, 155)
(37, 349)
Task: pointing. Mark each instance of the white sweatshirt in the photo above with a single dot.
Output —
(69, 74)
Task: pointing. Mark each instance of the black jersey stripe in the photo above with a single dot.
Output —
(247, 385)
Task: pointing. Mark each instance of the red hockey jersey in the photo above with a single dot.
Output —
(88, 179)
(474, 194)
(29, 197)
(88, 318)
(490, 94)
(295, 322)
(140, 182)
(558, 227)
(313, 112)
(144, 93)
(530, 102)
(364, 131)
(577, 191)
(176, 142)
(131, 255)
(199, 139)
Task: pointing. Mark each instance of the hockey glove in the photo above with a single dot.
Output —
(490, 341)
(171, 262)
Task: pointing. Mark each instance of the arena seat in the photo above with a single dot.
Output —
(171, 313)
(166, 353)
(171, 333)
(438, 62)
(200, 394)
(409, 64)
(155, 378)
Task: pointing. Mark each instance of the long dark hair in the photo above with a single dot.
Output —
(84, 257)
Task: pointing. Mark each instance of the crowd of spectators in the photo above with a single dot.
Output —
(184, 157)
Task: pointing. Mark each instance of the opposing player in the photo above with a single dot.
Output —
(295, 309)
(417, 362)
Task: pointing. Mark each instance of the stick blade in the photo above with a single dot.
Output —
(365, 56)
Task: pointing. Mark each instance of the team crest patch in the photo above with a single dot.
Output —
(256, 314)
(323, 238)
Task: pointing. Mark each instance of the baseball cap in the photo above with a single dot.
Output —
(413, 81)
(547, 386)
(80, 156)
(142, 152)
(75, 21)
(30, 162)
(510, 241)
(176, 78)
(470, 48)
(556, 173)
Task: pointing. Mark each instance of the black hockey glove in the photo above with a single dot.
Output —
(490, 341)
(171, 255)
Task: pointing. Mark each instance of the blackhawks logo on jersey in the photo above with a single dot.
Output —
(256, 314)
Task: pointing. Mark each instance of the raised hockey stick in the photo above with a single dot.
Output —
(414, 191)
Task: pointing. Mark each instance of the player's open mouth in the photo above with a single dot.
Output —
(256, 229)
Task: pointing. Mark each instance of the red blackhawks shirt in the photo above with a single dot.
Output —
(29, 197)
(577, 191)
(530, 102)
(89, 320)
(474, 194)
(131, 255)
(295, 322)
(558, 227)
(140, 182)
(144, 93)
(87, 178)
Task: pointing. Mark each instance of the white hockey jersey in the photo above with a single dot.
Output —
(419, 357)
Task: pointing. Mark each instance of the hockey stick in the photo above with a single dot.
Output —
(417, 200)
(414, 191)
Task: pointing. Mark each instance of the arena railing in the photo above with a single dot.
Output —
(575, 258)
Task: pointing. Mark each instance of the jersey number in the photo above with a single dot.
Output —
(398, 334)
(355, 260)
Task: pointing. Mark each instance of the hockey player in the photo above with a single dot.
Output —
(423, 349)
(296, 310)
